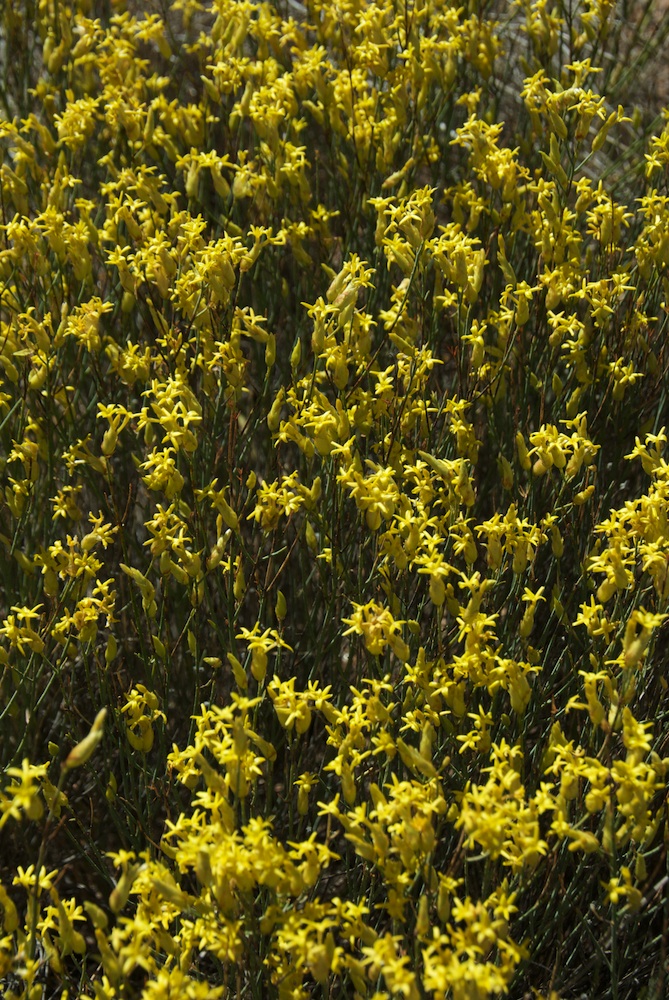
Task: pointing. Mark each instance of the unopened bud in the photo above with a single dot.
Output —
(84, 750)
(280, 608)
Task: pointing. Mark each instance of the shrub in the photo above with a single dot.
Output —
(334, 500)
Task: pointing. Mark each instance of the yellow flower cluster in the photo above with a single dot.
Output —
(333, 512)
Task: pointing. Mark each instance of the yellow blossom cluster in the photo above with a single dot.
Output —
(333, 509)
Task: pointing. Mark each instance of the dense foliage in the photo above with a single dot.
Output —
(333, 513)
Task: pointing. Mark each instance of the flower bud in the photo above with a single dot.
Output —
(84, 750)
